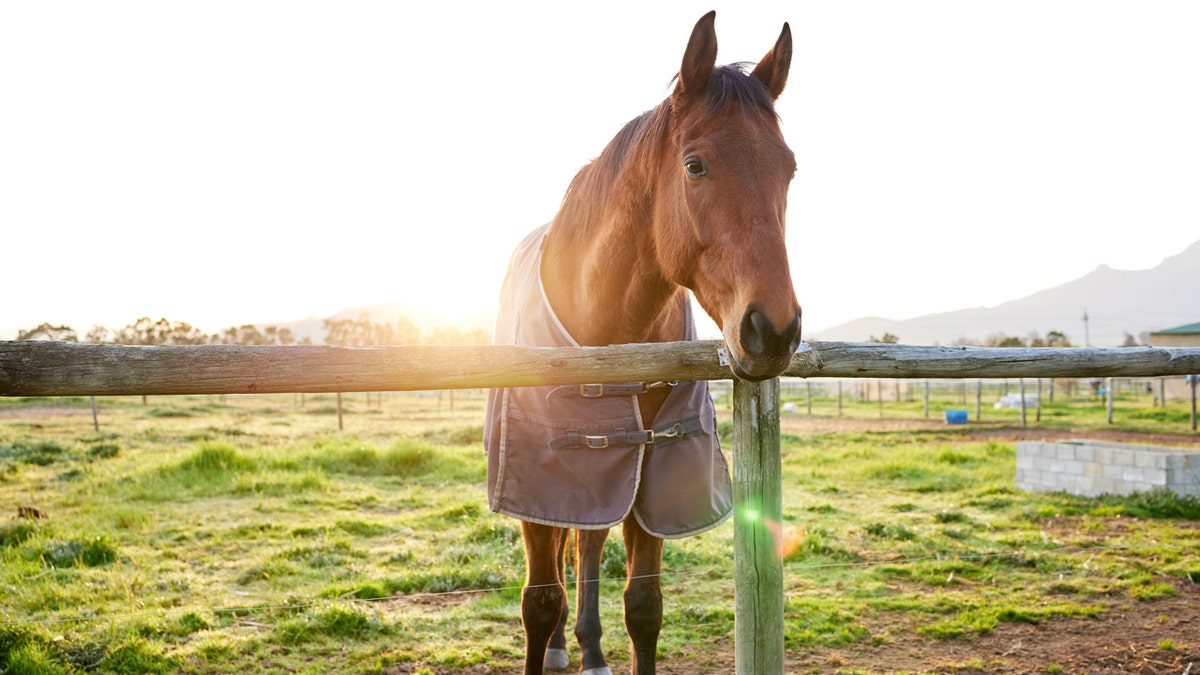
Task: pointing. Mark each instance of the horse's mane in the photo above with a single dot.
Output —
(591, 190)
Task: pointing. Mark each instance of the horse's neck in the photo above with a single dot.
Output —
(599, 267)
(607, 288)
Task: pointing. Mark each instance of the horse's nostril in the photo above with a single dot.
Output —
(757, 332)
(759, 336)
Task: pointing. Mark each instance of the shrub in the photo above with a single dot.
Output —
(89, 553)
(16, 533)
(40, 454)
(215, 458)
(137, 655)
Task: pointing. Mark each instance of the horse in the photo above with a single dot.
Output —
(688, 198)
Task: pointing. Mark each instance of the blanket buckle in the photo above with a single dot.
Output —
(595, 442)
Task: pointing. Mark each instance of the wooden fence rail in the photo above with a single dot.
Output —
(71, 369)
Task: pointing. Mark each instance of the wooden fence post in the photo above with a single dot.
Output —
(1195, 379)
(758, 523)
(1108, 393)
(1022, 381)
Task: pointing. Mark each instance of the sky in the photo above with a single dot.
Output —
(223, 163)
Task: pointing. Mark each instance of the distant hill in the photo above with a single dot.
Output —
(1117, 302)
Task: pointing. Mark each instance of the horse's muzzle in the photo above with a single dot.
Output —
(760, 350)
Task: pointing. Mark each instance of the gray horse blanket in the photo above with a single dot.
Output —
(580, 456)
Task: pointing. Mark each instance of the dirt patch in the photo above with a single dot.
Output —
(1152, 638)
(1160, 636)
(35, 412)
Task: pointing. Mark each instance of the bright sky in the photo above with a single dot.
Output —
(229, 162)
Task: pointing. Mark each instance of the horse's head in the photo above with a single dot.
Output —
(723, 184)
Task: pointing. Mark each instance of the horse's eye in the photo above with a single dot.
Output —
(695, 167)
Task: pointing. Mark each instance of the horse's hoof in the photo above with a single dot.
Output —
(557, 659)
(597, 671)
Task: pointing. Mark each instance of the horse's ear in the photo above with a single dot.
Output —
(700, 57)
(773, 69)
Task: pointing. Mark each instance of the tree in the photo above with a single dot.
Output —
(1002, 340)
(244, 335)
(47, 331)
(407, 332)
(145, 331)
(887, 339)
(249, 334)
(1056, 339)
(452, 335)
(98, 334)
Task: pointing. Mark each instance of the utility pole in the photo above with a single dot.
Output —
(1086, 340)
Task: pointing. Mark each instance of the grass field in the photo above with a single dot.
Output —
(248, 534)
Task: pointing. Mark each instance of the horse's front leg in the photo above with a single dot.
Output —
(587, 601)
(544, 598)
(643, 594)
(557, 657)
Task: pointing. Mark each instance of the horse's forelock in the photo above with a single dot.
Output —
(732, 83)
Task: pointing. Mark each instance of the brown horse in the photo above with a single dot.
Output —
(689, 196)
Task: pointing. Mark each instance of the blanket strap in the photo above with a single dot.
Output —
(576, 439)
(602, 390)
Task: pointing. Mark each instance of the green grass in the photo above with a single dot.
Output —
(202, 535)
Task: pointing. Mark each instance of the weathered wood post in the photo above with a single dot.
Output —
(1194, 379)
(1108, 394)
(758, 523)
(1022, 381)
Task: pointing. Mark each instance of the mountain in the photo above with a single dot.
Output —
(1117, 302)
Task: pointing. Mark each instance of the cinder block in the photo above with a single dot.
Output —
(1132, 475)
(1149, 460)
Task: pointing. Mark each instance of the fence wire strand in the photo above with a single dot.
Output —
(344, 600)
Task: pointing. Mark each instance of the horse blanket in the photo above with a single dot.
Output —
(580, 456)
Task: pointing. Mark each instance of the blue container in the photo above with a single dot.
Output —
(956, 417)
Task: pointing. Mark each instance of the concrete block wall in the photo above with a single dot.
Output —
(1093, 468)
